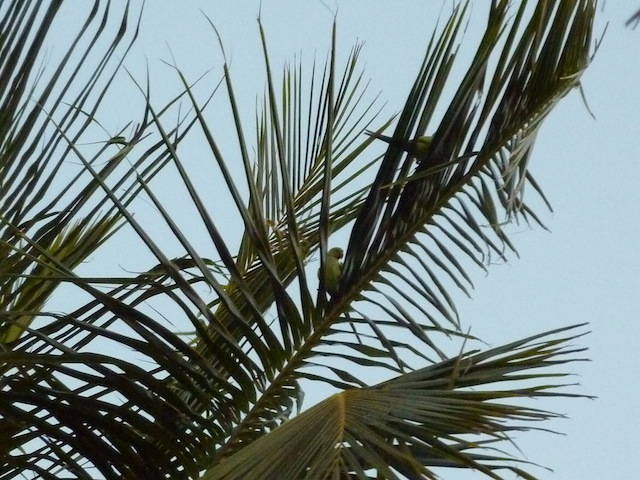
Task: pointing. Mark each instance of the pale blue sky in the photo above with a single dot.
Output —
(584, 270)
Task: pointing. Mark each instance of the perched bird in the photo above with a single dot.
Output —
(333, 268)
(417, 148)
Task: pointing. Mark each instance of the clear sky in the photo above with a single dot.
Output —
(585, 269)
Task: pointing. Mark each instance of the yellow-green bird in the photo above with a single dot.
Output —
(333, 269)
(417, 148)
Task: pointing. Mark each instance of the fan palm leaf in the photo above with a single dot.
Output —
(412, 422)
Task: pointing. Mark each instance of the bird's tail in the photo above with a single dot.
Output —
(384, 138)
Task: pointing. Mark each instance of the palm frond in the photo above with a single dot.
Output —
(210, 383)
(539, 69)
(29, 292)
(37, 123)
(455, 212)
(446, 415)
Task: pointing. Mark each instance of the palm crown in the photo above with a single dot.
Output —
(223, 398)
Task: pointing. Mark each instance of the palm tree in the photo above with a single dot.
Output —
(113, 386)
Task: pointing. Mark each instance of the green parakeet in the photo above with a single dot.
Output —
(417, 148)
(333, 268)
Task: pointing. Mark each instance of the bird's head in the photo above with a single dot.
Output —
(336, 252)
(421, 146)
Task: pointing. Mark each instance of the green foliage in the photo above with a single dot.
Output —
(226, 399)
